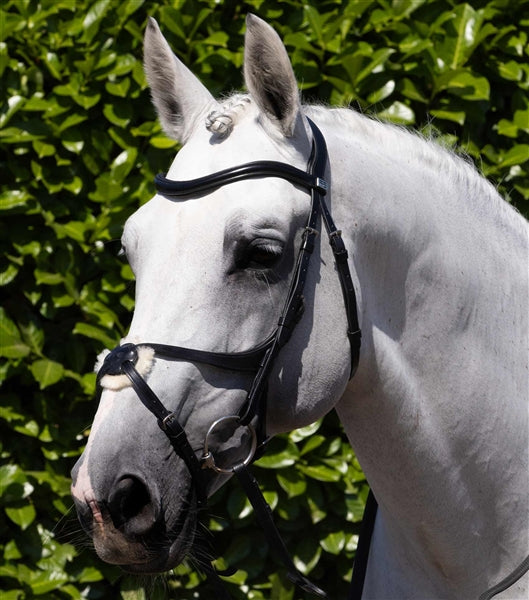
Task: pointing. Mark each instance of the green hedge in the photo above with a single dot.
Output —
(79, 146)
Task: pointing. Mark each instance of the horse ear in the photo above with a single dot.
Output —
(269, 75)
(178, 96)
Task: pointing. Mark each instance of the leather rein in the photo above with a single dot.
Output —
(259, 359)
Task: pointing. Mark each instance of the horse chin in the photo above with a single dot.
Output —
(164, 558)
(161, 550)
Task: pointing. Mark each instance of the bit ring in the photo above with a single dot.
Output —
(209, 460)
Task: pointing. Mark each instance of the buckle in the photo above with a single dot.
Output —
(321, 185)
(309, 233)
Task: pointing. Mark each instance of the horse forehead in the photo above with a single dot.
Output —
(205, 153)
(249, 203)
(164, 227)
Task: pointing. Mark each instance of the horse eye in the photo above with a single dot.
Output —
(260, 255)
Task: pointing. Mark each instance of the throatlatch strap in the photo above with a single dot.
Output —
(265, 520)
(342, 267)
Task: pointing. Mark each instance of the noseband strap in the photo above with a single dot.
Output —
(261, 358)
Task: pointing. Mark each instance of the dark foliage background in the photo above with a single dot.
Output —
(79, 146)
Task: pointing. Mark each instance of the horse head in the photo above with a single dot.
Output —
(213, 269)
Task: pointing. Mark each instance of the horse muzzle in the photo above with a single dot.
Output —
(130, 528)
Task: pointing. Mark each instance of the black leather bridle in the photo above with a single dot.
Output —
(261, 358)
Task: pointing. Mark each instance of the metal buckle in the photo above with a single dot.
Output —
(311, 231)
(208, 460)
(165, 420)
(321, 185)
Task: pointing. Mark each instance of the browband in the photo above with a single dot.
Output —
(251, 170)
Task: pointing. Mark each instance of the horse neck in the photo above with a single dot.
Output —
(442, 275)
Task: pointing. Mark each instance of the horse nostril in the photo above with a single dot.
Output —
(130, 507)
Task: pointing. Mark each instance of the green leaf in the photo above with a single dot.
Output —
(355, 508)
(118, 115)
(450, 115)
(22, 515)
(464, 84)
(517, 155)
(320, 472)
(333, 542)
(119, 88)
(33, 335)
(511, 70)
(46, 278)
(93, 18)
(312, 443)
(382, 93)
(47, 372)
(43, 582)
(76, 230)
(507, 128)
(11, 344)
(398, 113)
(8, 274)
(14, 484)
(218, 38)
(303, 432)
(521, 119)
(96, 333)
(11, 552)
(306, 556)
(280, 458)
(89, 575)
(10, 199)
(467, 23)
(292, 482)
(29, 428)
(160, 141)
(315, 23)
(13, 104)
(122, 164)
(13, 595)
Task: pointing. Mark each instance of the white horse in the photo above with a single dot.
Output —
(437, 412)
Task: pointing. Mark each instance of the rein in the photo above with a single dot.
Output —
(259, 359)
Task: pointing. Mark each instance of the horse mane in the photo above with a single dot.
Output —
(457, 168)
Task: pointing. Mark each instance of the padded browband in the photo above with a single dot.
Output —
(251, 170)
